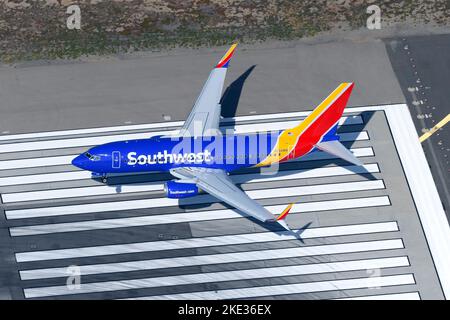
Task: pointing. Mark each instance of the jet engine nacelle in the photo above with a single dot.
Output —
(177, 190)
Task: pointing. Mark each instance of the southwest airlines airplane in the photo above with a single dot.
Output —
(201, 157)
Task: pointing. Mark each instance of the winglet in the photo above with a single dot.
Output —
(280, 218)
(285, 212)
(223, 63)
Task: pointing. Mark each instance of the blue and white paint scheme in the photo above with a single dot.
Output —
(201, 157)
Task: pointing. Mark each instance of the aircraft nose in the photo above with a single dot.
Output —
(80, 162)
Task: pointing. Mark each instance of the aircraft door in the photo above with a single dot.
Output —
(116, 159)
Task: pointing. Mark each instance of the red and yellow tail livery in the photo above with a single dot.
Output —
(298, 141)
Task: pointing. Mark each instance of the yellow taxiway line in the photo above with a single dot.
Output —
(440, 124)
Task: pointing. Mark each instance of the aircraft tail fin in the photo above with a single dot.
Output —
(322, 122)
(319, 126)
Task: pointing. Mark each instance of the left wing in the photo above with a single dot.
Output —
(217, 183)
(205, 115)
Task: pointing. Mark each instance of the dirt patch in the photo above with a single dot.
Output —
(36, 29)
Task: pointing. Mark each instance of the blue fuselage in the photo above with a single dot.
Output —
(229, 153)
(162, 153)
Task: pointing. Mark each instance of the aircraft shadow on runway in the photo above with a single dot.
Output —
(285, 170)
(230, 102)
(232, 94)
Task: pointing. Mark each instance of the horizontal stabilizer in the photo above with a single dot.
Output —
(337, 149)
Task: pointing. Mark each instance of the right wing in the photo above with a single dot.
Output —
(205, 115)
(217, 183)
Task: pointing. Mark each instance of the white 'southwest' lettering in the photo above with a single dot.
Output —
(165, 157)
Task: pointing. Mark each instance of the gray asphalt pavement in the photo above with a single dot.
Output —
(422, 66)
(44, 230)
(144, 90)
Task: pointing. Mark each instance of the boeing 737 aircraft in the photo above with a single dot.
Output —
(201, 157)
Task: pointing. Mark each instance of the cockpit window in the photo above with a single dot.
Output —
(92, 157)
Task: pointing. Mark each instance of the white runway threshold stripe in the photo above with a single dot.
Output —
(288, 289)
(44, 178)
(36, 162)
(118, 267)
(200, 260)
(97, 140)
(393, 296)
(66, 160)
(225, 240)
(48, 161)
(424, 191)
(75, 132)
(166, 202)
(191, 217)
(233, 275)
(348, 120)
(159, 185)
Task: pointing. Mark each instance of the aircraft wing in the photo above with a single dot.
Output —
(217, 183)
(205, 115)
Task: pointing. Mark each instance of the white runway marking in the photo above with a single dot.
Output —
(166, 202)
(199, 260)
(61, 176)
(159, 185)
(394, 296)
(44, 177)
(192, 216)
(66, 160)
(91, 141)
(218, 277)
(150, 246)
(36, 162)
(426, 197)
(79, 175)
(109, 267)
(297, 288)
(62, 133)
(347, 120)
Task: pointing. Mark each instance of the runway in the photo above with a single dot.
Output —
(421, 65)
(372, 232)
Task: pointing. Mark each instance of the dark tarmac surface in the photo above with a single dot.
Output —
(422, 66)
(154, 89)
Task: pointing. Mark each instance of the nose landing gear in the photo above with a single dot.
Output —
(102, 176)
